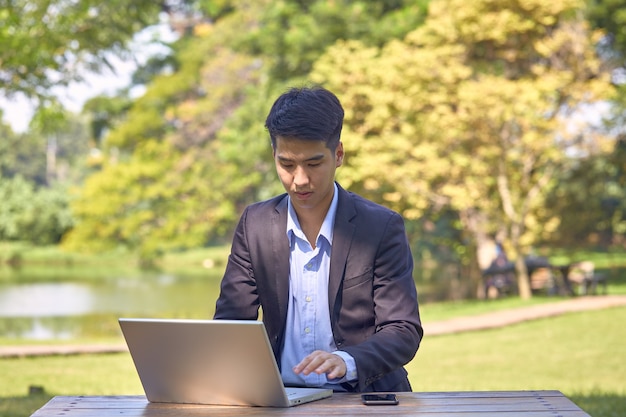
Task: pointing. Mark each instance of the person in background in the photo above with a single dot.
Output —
(331, 271)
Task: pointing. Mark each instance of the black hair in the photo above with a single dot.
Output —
(310, 113)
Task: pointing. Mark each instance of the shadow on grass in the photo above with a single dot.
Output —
(599, 404)
(22, 406)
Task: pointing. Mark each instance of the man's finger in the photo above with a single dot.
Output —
(322, 363)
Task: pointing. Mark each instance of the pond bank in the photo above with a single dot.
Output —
(456, 325)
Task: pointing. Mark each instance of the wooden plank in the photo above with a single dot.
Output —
(424, 397)
(413, 395)
(441, 400)
(454, 404)
(297, 411)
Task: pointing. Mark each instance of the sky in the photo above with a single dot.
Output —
(18, 111)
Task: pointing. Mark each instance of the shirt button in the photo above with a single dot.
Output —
(308, 299)
(307, 330)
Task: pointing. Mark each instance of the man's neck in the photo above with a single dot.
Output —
(311, 220)
(311, 223)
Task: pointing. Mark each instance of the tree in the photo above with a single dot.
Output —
(22, 154)
(592, 201)
(29, 214)
(104, 113)
(190, 153)
(291, 35)
(610, 15)
(472, 111)
(161, 185)
(52, 43)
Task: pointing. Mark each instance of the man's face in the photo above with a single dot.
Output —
(307, 170)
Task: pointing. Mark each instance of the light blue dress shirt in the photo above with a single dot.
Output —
(308, 317)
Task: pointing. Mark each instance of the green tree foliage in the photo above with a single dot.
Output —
(65, 139)
(475, 113)
(51, 43)
(592, 201)
(291, 35)
(192, 152)
(610, 15)
(472, 111)
(46, 45)
(35, 168)
(37, 215)
(162, 183)
(128, 203)
(617, 194)
(103, 114)
(591, 193)
(22, 154)
(216, 9)
(52, 150)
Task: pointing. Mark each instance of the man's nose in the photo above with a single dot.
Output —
(300, 177)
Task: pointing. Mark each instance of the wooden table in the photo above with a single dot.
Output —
(432, 404)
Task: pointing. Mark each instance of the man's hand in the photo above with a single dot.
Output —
(322, 362)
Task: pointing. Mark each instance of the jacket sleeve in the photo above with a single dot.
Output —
(238, 299)
(379, 315)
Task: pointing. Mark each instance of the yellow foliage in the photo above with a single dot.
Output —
(203, 30)
(471, 110)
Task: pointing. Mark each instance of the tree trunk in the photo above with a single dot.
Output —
(523, 281)
(51, 159)
(474, 222)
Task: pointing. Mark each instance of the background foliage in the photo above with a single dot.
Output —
(51, 43)
(473, 119)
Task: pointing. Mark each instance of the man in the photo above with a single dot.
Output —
(331, 271)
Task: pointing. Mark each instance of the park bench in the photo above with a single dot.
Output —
(583, 275)
(545, 277)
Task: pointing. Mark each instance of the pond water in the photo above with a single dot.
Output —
(67, 303)
(90, 308)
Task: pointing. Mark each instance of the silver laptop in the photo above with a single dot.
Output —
(220, 362)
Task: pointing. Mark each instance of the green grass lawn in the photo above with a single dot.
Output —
(47, 263)
(580, 354)
(575, 352)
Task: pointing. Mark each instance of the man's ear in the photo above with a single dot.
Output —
(339, 154)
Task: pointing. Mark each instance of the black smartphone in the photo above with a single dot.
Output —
(379, 399)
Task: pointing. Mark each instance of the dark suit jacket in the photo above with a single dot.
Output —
(371, 292)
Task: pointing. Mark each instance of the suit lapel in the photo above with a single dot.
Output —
(343, 234)
(280, 257)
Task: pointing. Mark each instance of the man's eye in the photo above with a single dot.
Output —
(315, 165)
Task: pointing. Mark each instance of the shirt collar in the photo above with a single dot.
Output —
(326, 231)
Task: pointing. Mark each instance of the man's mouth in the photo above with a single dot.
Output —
(303, 194)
